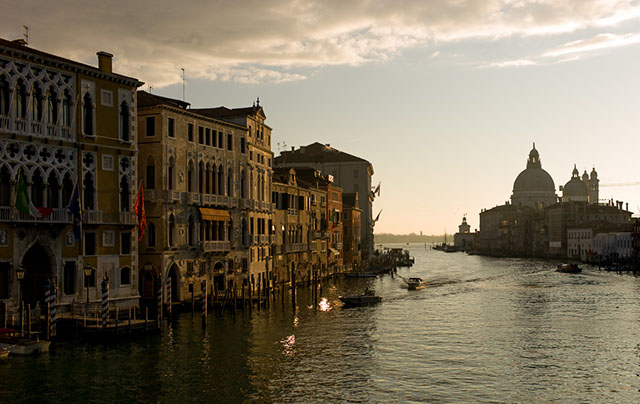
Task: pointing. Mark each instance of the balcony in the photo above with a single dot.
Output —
(34, 128)
(292, 212)
(194, 198)
(4, 122)
(128, 218)
(172, 196)
(92, 216)
(297, 247)
(234, 202)
(215, 246)
(59, 215)
(150, 195)
(246, 203)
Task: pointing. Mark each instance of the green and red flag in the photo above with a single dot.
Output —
(23, 202)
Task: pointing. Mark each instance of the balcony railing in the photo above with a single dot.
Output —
(292, 211)
(92, 216)
(128, 218)
(150, 195)
(215, 246)
(194, 198)
(36, 127)
(4, 122)
(246, 203)
(59, 215)
(172, 196)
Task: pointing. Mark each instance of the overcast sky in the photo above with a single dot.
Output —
(443, 97)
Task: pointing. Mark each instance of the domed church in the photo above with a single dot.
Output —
(534, 187)
(585, 189)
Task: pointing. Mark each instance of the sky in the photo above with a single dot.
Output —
(444, 98)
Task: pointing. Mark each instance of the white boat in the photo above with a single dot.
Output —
(17, 345)
(415, 283)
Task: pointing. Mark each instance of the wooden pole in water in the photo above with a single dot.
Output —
(29, 320)
(146, 318)
(293, 288)
(259, 291)
(129, 319)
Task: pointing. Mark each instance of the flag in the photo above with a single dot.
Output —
(23, 202)
(140, 214)
(377, 190)
(377, 217)
(75, 209)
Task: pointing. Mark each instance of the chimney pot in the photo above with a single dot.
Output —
(105, 61)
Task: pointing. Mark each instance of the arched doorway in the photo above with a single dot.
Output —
(147, 290)
(37, 269)
(218, 276)
(173, 275)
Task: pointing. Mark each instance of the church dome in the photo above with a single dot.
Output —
(534, 186)
(575, 189)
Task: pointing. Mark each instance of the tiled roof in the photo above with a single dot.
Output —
(146, 99)
(316, 153)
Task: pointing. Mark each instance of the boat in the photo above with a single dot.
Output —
(569, 269)
(4, 353)
(361, 275)
(414, 283)
(368, 297)
(18, 345)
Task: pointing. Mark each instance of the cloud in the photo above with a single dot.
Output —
(256, 41)
(598, 42)
(510, 63)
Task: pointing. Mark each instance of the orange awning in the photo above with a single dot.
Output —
(214, 214)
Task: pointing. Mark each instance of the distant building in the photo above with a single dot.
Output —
(351, 173)
(352, 231)
(463, 239)
(535, 223)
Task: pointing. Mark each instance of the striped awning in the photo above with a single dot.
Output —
(214, 214)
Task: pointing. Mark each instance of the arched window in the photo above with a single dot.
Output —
(4, 96)
(190, 177)
(230, 231)
(5, 186)
(221, 180)
(150, 173)
(36, 103)
(243, 184)
(201, 177)
(192, 231)
(88, 192)
(52, 111)
(208, 185)
(87, 114)
(151, 234)
(67, 189)
(67, 108)
(21, 100)
(37, 189)
(53, 191)
(125, 276)
(125, 197)
(230, 182)
(125, 124)
(171, 174)
(172, 231)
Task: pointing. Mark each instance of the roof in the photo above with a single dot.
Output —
(38, 56)
(146, 99)
(316, 153)
(224, 112)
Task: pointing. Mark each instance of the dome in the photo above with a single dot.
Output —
(534, 179)
(575, 189)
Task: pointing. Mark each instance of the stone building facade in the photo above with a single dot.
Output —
(352, 232)
(64, 123)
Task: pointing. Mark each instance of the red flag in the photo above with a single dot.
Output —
(139, 209)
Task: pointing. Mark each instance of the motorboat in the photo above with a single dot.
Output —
(569, 269)
(415, 283)
(19, 345)
(364, 299)
(4, 353)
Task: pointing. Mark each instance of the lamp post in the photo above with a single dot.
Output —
(87, 274)
(20, 276)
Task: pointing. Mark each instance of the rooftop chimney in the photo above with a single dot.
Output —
(105, 61)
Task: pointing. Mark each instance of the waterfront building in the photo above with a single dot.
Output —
(294, 250)
(580, 239)
(253, 228)
(463, 239)
(65, 124)
(352, 231)
(195, 176)
(351, 173)
(615, 247)
(535, 223)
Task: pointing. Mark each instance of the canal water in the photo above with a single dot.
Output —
(485, 330)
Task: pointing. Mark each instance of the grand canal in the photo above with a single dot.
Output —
(484, 330)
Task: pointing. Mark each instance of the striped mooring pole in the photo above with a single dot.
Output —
(159, 282)
(169, 295)
(47, 302)
(105, 301)
(204, 298)
(52, 302)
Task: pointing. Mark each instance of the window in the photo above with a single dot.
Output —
(150, 173)
(67, 108)
(200, 135)
(125, 195)
(243, 145)
(88, 192)
(5, 275)
(207, 137)
(108, 238)
(106, 98)
(355, 173)
(69, 278)
(151, 235)
(125, 122)
(125, 243)
(220, 140)
(151, 126)
(89, 243)
(190, 132)
(229, 141)
(171, 123)
(107, 162)
(214, 142)
(125, 276)
(4, 96)
(87, 115)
